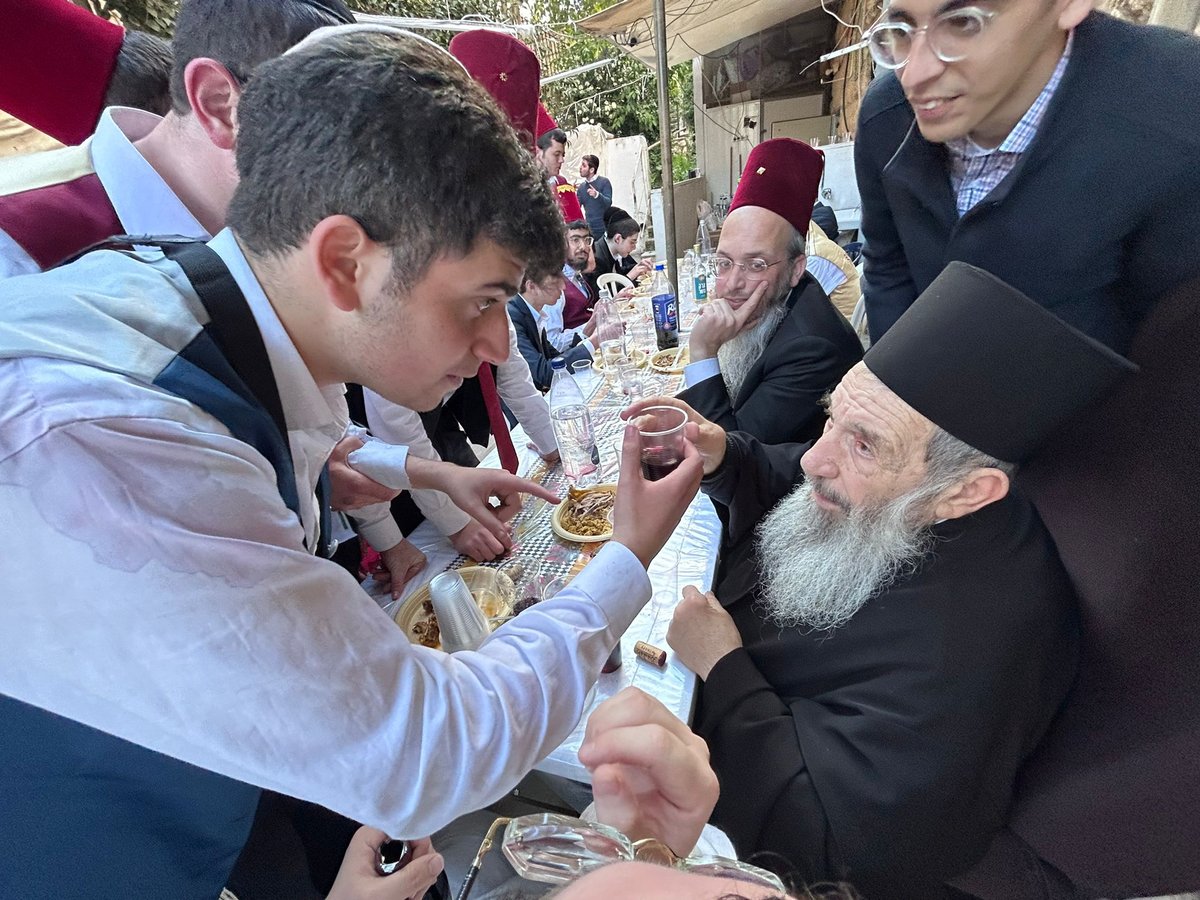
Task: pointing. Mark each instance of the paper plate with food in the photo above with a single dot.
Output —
(670, 362)
(585, 515)
(638, 356)
(493, 591)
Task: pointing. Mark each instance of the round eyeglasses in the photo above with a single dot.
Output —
(724, 265)
(556, 849)
(951, 36)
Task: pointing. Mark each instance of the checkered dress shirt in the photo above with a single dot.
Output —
(975, 171)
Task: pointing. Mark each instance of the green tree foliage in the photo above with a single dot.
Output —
(622, 97)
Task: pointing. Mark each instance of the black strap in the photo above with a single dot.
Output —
(231, 323)
(233, 329)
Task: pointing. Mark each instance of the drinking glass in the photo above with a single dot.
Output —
(460, 619)
(585, 376)
(630, 379)
(611, 351)
(660, 436)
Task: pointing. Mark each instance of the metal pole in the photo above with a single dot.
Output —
(664, 140)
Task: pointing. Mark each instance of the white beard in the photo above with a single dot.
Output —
(739, 354)
(819, 568)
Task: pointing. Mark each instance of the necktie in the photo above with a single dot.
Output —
(491, 399)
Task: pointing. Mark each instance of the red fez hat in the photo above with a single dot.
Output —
(506, 69)
(55, 63)
(782, 175)
(545, 121)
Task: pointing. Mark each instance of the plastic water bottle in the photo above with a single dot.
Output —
(698, 281)
(666, 309)
(704, 239)
(686, 273)
(572, 428)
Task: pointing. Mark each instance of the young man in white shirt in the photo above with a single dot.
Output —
(145, 175)
(218, 657)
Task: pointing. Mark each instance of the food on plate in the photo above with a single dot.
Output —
(666, 361)
(493, 591)
(588, 513)
(425, 629)
(638, 356)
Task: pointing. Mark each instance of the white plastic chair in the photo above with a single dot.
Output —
(610, 283)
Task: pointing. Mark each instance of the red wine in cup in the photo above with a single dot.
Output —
(659, 462)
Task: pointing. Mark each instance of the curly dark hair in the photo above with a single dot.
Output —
(389, 129)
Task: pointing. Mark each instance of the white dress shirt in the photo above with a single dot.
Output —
(694, 373)
(145, 204)
(317, 418)
(179, 610)
(142, 200)
(398, 424)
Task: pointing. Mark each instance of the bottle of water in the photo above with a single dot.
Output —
(686, 279)
(572, 428)
(704, 239)
(666, 309)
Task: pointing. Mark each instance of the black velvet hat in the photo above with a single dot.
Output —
(992, 367)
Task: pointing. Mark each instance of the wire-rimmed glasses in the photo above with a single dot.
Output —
(555, 849)
(724, 265)
(951, 36)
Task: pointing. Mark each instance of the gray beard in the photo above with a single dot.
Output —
(818, 568)
(739, 354)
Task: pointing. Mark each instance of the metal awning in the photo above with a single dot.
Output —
(694, 27)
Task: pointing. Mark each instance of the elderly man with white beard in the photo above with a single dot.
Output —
(771, 345)
(892, 630)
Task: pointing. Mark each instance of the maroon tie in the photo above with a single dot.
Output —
(499, 426)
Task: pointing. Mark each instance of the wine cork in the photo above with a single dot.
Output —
(649, 653)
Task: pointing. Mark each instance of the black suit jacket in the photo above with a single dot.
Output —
(536, 351)
(605, 262)
(779, 400)
(1098, 219)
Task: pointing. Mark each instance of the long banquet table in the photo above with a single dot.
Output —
(689, 557)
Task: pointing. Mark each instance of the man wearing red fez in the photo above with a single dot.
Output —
(771, 344)
(892, 631)
(550, 152)
(506, 69)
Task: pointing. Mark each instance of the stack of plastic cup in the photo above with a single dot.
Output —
(461, 621)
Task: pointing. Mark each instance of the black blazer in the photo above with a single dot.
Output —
(605, 262)
(779, 401)
(885, 753)
(537, 351)
(1098, 219)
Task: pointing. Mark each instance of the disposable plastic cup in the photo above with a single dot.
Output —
(461, 621)
(660, 434)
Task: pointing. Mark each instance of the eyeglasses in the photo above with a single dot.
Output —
(556, 849)
(754, 266)
(951, 36)
(581, 240)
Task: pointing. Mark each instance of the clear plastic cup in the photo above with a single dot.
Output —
(611, 352)
(660, 432)
(629, 376)
(461, 621)
(585, 375)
